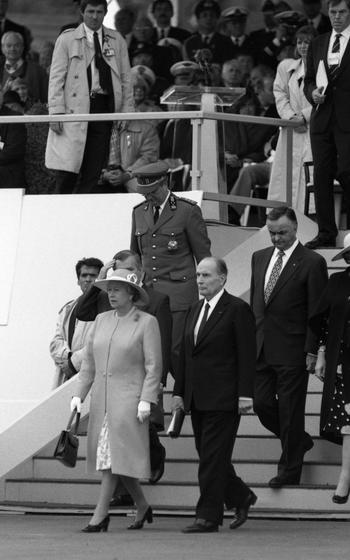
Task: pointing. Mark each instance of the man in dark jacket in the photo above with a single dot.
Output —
(12, 151)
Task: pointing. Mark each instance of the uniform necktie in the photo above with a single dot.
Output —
(156, 214)
(335, 49)
(275, 272)
(101, 64)
(206, 40)
(203, 321)
(162, 34)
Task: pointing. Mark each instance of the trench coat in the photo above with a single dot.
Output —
(69, 91)
(290, 100)
(123, 365)
(334, 306)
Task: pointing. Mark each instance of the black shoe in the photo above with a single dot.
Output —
(148, 516)
(340, 499)
(122, 500)
(157, 474)
(280, 480)
(308, 443)
(103, 526)
(241, 514)
(320, 241)
(201, 526)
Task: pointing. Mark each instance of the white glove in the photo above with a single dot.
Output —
(75, 404)
(143, 410)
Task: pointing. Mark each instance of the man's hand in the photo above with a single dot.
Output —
(66, 370)
(56, 127)
(115, 177)
(317, 96)
(177, 403)
(245, 405)
(310, 363)
(103, 272)
(320, 367)
(232, 160)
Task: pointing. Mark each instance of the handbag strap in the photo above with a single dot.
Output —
(70, 421)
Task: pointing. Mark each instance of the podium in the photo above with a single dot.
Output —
(208, 162)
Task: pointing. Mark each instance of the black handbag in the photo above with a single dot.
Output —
(176, 422)
(67, 446)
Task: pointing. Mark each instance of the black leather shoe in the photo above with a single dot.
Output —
(201, 526)
(241, 514)
(102, 526)
(121, 501)
(148, 516)
(308, 443)
(280, 480)
(340, 499)
(320, 241)
(157, 474)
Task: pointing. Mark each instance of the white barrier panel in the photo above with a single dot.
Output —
(10, 216)
(54, 232)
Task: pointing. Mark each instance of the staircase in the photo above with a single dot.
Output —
(42, 482)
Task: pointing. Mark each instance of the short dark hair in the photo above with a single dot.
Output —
(156, 2)
(277, 213)
(306, 31)
(90, 261)
(84, 3)
(125, 254)
(331, 3)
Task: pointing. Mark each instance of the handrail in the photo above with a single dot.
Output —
(157, 115)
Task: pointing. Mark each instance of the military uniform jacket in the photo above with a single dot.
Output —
(170, 248)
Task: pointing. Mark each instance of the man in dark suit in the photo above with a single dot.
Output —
(163, 11)
(96, 301)
(207, 13)
(287, 281)
(215, 381)
(330, 119)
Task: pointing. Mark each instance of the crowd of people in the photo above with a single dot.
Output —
(140, 319)
(139, 316)
(94, 69)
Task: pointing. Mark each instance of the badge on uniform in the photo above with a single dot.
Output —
(172, 245)
(108, 51)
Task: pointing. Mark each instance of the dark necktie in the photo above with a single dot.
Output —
(101, 65)
(71, 326)
(156, 214)
(206, 40)
(335, 49)
(162, 34)
(275, 272)
(203, 321)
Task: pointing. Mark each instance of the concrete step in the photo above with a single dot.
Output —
(179, 471)
(304, 498)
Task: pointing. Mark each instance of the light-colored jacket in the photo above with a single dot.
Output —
(123, 365)
(69, 91)
(290, 101)
(59, 347)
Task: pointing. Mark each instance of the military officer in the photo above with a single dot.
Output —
(170, 235)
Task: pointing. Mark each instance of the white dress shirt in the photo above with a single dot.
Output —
(285, 258)
(95, 75)
(335, 58)
(212, 304)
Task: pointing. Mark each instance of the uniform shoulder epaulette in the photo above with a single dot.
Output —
(138, 205)
(65, 305)
(193, 202)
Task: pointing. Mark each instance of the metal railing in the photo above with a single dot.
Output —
(196, 118)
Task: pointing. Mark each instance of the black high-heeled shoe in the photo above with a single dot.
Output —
(148, 516)
(102, 526)
(340, 499)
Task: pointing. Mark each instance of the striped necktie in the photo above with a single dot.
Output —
(335, 49)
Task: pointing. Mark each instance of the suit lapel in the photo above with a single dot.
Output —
(215, 316)
(288, 271)
(193, 321)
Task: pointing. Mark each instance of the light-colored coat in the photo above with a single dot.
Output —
(69, 91)
(59, 347)
(123, 364)
(290, 100)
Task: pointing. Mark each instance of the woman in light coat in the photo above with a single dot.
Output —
(123, 366)
(292, 104)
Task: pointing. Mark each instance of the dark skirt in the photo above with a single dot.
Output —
(337, 417)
